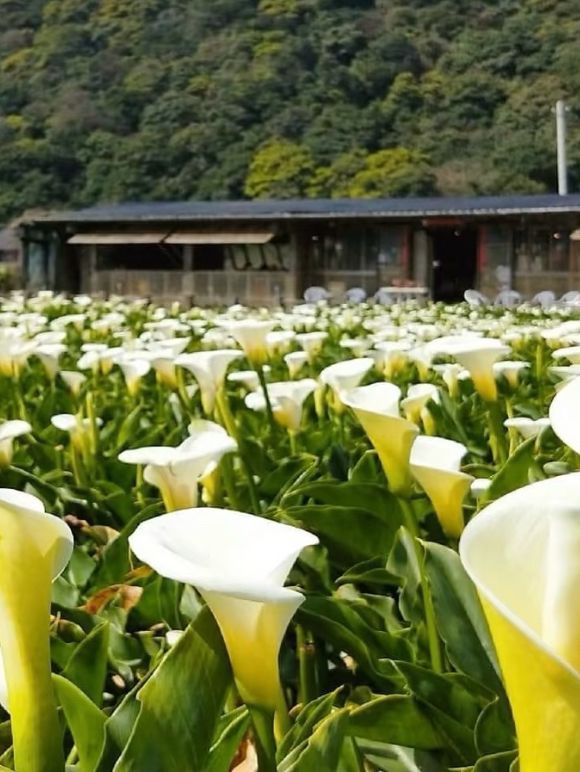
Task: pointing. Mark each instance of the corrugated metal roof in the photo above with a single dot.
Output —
(306, 209)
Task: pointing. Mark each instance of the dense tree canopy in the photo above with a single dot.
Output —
(166, 99)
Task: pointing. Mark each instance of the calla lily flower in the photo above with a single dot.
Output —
(73, 380)
(565, 414)
(35, 547)
(565, 373)
(415, 403)
(345, 376)
(164, 366)
(133, 369)
(522, 554)
(435, 464)
(249, 378)
(377, 408)
(452, 373)
(295, 361)
(527, 427)
(278, 342)
(479, 487)
(177, 472)
(478, 356)
(252, 336)
(79, 429)
(312, 342)
(49, 354)
(571, 353)
(8, 433)
(393, 356)
(287, 399)
(239, 563)
(511, 371)
(209, 370)
(358, 346)
(14, 351)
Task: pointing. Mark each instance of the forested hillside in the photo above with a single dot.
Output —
(104, 100)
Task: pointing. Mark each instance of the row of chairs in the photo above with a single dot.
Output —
(513, 299)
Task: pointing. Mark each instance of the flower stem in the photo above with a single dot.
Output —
(229, 423)
(432, 635)
(263, 384)
(263, 722)
(307, 666)
(496, 433)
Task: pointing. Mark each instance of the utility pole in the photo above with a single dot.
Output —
(561, 110)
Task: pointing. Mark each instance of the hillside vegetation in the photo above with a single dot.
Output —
(104, 100)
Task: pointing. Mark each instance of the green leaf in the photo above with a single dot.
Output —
(395, 719)
(85, 720)
(307, 719)
(229, 734)
(87, 667)
(181, 704)
(453, 703)
(460, 620)
(352, 533)
(515, 473)
(322, 751)
(338, 622)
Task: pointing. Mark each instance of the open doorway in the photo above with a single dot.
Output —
(454, 253)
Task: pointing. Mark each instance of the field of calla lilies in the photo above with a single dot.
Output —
(316, 539)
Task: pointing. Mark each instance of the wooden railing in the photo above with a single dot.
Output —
(200, 287)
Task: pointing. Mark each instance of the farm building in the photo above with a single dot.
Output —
(261, 252)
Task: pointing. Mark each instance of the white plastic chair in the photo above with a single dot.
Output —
(545, 299)
(570, 298)
(355, 295)
(475, 298)
(508, 299)
(316, 294)
(383, 297)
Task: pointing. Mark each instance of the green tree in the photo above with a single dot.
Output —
(394, 172)
(279, 169)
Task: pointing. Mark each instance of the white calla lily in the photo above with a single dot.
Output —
(347, 375)
(239, 563)
(287, 400)
(565, 414)
(209, 369)
(9, 430)
(50, 354)
(511, 371)
(311, 343)
(527, 427)
(177, 472)
(418, 396)
(295, 361)
(251, 335)
(478, 355)
(377, 408)
(248, 378)
(278, 342)
(522, 554)
(133, 369)
(79, 430)
(35, 547)
(571, 353)
(435, 464)
(74, 380)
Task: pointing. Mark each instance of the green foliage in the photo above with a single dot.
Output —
(280, 168)
(232, 98)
